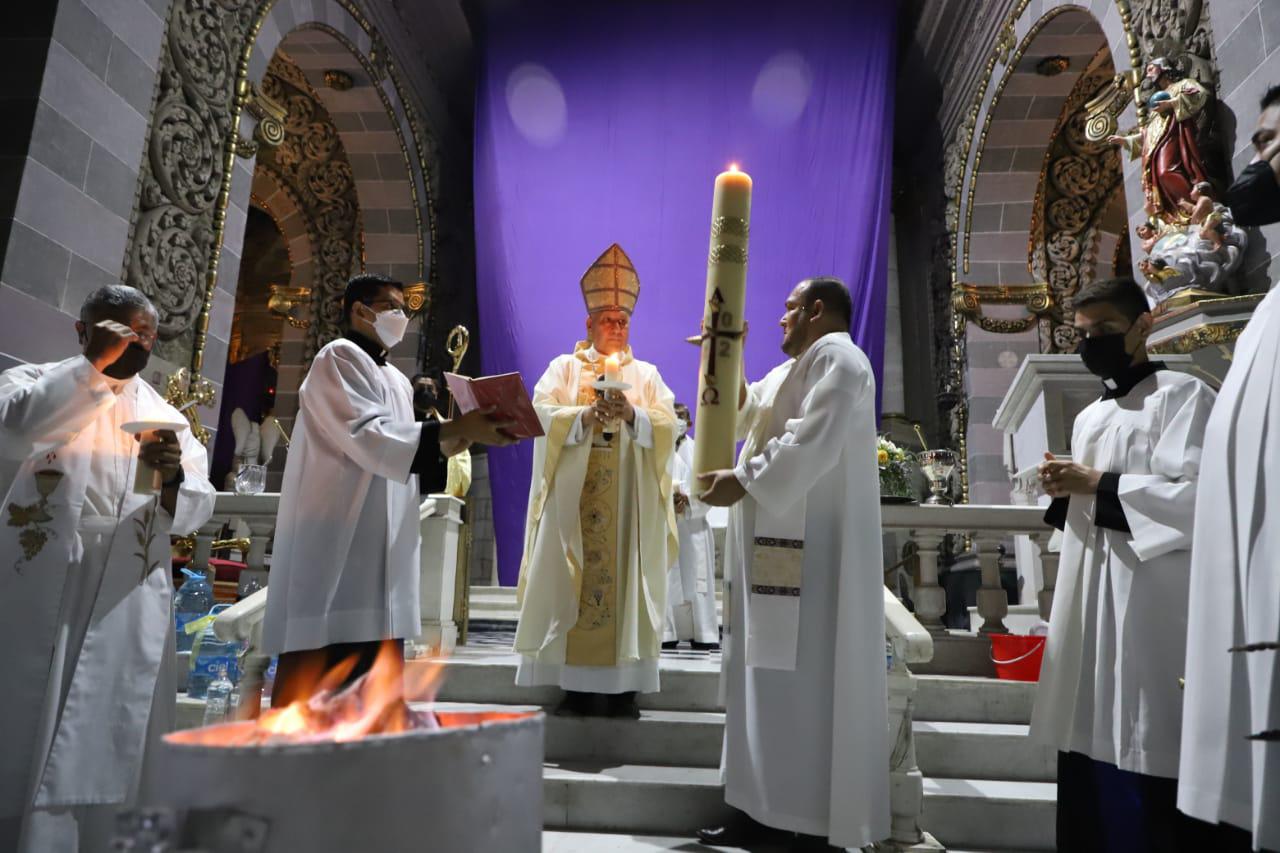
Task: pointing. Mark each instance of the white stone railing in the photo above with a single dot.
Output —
(257, 513)
(910, 643)
(987, 527)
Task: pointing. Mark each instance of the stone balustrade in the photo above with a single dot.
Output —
(909, 642)
(986, 527)
(257, 513)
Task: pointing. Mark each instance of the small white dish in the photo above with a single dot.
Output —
(135, 427)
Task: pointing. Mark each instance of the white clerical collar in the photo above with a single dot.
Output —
(118, 386)
(590, 354)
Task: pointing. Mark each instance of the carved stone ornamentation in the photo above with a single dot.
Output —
(312, 164)
(173, 230)
(1080, 179)
(1176, 29)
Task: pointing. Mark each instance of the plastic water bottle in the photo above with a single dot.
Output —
(208, 654)
(269, 679)
(217, 705)
(192, 600)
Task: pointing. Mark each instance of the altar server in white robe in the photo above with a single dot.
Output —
(1108, 697)
(1231, 724)
(691, 580)
(806, 751)
(345, 567)
(85, 586)
(601, 529)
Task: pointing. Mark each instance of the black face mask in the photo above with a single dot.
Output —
(1254, 198)
(1105, 355)
(130, 363)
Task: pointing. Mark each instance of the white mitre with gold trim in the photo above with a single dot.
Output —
(611, 283)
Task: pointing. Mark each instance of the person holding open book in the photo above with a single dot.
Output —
(601, 528)
(344, 573)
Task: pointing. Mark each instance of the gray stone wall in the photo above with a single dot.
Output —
(1247, 36)
(75, 185)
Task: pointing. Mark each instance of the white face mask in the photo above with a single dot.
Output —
(390, 327)
(682, 427)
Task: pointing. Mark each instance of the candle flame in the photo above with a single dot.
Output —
(733, 167)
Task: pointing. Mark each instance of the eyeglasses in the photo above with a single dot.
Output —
(618, 323)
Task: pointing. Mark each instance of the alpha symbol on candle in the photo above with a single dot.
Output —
(718, 336)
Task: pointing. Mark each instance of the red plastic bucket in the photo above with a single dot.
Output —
(1017, 656)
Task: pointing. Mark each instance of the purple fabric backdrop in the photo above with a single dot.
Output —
(602, 122)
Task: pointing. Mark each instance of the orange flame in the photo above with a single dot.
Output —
(376, 703)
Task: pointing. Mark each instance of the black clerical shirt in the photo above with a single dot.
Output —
(1108, 512)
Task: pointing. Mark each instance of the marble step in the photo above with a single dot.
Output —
(695, 739)
(604, 797)
(692, 684)
(484, 677)
(982, 751)
(990, 814)
(567, 841)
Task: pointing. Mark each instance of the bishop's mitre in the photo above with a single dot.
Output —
(611, 283)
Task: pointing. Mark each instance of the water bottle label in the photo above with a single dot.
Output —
(207, 666)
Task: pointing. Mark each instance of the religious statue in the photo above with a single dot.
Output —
(601, 529)
(1171, 161)
(1192, 257)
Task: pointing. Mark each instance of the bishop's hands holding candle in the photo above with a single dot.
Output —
(609, 407)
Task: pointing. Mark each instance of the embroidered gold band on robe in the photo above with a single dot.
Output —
(776, 566)
(593, 641)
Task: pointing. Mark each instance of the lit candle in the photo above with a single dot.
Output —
(612, 369)
(721, 364)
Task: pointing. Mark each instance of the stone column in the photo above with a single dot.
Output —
(930, 597)
(205, 537)
(993, 602)
(1049, 565)
(441, 520)
(261, 529)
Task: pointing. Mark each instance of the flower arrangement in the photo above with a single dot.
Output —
(897, 470)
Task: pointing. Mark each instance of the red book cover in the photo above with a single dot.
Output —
(506, 391)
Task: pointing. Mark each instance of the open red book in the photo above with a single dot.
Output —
(506, 391)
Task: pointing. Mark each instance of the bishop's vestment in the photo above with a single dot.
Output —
(600, 533)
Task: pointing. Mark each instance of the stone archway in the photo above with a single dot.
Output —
(998, 193)
(210, 123)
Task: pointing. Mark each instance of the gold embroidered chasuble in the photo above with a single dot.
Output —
(600, 531)
(593, 641)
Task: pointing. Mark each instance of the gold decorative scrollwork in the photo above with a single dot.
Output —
(734, 226)
(270, 115)
(416, 296)
(1199, 337)
(967, 301)
(187, 394)
(288, 302)
(1102, 111)
(727, 254)
(311, 163)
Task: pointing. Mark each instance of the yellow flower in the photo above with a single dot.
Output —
(882, 456)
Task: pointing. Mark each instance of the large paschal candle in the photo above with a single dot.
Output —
(720, 373)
